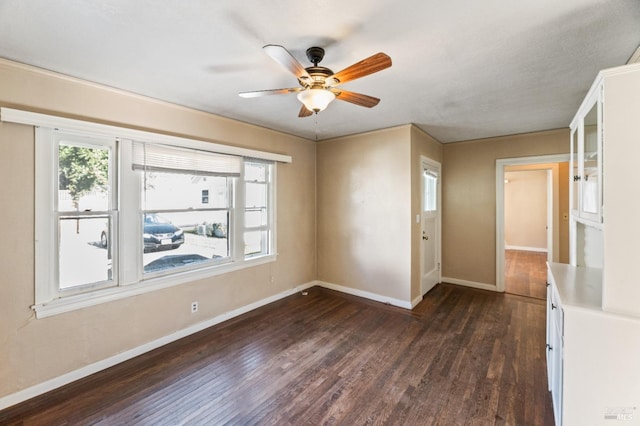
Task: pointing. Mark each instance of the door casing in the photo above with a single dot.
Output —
(553, 199)
(427, 163)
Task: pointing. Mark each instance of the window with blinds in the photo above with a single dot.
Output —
(116, 216)
(184, 230)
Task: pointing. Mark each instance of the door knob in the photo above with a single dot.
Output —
(424, 237)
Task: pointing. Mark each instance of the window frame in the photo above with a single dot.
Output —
(128, 257)
(266, 228)
(62, 138)
(171, 160)
(48, 213)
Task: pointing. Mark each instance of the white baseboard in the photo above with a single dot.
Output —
(56, 382)
(473, 284)
(524, 248)
(369, 295)
(415, 301)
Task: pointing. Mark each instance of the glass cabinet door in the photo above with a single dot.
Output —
(589, 182)
(575, 172)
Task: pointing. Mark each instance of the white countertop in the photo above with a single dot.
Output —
(578, 286)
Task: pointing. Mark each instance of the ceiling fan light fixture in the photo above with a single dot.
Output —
(316, 100)
(318, 83)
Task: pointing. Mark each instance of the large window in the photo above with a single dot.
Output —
(117, 215)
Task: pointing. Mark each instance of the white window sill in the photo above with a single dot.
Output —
(80, 301)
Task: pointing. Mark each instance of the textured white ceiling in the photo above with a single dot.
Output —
(462, 69)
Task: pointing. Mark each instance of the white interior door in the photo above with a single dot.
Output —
(430, 229)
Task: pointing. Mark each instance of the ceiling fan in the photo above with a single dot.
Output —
(318, 84)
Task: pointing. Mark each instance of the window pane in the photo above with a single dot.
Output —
(590, 164)
(173, 240)
(255, 242)
(84, 251)
(255, 172)
(175, 191)
(256, 195)
(255, 218)
(83, 178)
(430, 181)
(256, 215)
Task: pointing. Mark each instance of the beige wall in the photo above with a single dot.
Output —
(368, 198)
(525, 209)
(364, 193)
(469, 199)
(560, 175)
(35, 350)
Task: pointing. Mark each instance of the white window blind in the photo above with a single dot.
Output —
(164, 158)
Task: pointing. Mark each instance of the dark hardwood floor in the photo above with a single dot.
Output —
(525, 273)
(462, 356)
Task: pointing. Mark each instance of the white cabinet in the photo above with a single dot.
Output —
(593, 355)
(604, 219)
(586, 154)
(593, 305)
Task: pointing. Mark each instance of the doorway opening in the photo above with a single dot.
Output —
(527, 221)
(532, 221)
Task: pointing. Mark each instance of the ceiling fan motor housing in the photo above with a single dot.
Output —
(315, 55)
(318, 74)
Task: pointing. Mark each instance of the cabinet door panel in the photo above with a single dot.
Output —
(589, 146)
(574, 183)
(556, 392)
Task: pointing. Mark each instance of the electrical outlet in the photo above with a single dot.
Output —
(194, 307)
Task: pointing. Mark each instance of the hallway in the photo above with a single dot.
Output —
(526, 273)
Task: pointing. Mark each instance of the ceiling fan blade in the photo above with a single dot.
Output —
(356, 98)
(367, 66)
(286, 59)
(258, 93)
